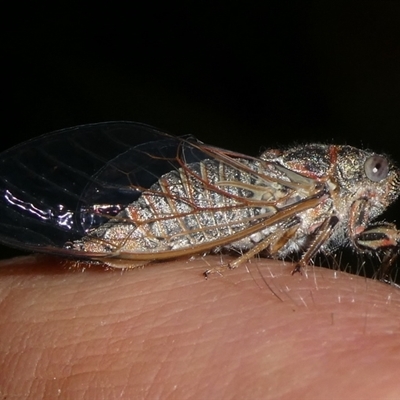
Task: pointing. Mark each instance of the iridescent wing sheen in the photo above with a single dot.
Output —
(51, 186)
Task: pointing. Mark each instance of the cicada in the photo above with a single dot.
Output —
(126, 194)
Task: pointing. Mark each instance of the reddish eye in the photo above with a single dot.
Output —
(376, 168)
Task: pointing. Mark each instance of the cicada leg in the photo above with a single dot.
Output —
(384, 237)
(378, 237)
(242, 259)
(321, 237)
(387, 264)
(273, 243)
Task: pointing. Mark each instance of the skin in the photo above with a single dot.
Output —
(68, 331)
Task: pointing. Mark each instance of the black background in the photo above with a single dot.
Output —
(236, 75)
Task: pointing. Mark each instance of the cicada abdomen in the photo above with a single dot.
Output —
(200, 206)
(127, 194)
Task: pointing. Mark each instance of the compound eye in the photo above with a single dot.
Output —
(376, 168)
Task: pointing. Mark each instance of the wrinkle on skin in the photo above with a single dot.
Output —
(165, 332)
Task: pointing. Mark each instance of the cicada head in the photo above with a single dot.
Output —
(349, 174)
(366, 175)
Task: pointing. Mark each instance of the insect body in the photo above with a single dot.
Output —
(126, 194)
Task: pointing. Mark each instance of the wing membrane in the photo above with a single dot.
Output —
(61, 187)
(49, 185)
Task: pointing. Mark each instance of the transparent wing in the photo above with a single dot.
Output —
(55, 188)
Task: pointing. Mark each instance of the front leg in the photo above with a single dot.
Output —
(381, 237)
(378, 237)
(367, 236)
